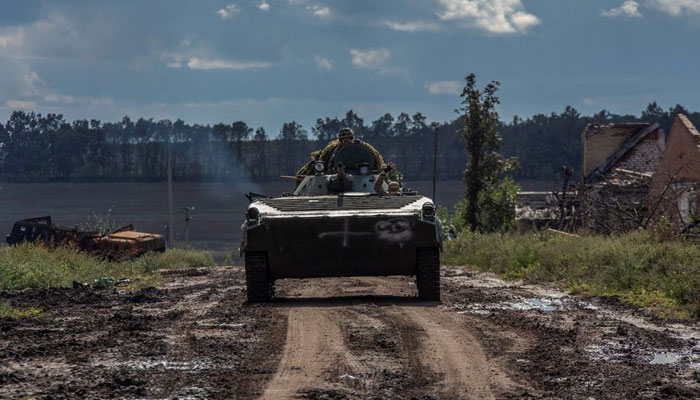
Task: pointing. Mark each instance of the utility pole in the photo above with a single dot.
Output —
(435, 157)
(187, 224)
(171, 218)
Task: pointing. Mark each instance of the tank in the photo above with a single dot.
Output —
(335, 225)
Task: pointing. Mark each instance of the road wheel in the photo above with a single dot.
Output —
(259, 283)
(428, 274)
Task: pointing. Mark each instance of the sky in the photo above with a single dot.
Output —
(267, 62)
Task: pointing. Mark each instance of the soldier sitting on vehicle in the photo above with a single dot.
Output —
(345, 137)
(394, 187)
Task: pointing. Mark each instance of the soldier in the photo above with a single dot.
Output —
(345, 136)
(394, 187)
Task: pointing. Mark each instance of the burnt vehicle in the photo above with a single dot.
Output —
(335, 225)
(123, 243)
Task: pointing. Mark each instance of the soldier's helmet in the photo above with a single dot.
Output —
(394, 187)
(346, 133)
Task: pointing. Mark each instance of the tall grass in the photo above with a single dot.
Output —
(32, 266)
(639, 266)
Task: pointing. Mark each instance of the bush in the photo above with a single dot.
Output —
(33, 266)
(636, 266)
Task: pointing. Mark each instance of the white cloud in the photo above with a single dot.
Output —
(320, 11)
(229, 11)
(370, 59)
(676, 7)
(264, 6)
(415, 26)
(493, 16)
(444, 87)
(20, 104)
(209, 64)
(11, 38)
(628, 9)
(589, 102)
(323, 63)
(64, 99)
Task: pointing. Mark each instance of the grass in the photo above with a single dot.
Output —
(638, 267)
(7, 311)
(31, 266)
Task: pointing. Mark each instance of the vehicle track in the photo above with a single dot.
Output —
(431, 342)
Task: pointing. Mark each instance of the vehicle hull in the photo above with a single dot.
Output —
(341, 246)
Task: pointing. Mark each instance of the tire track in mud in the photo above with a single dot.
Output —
(357, 343)
(452, 353)
(312, 343)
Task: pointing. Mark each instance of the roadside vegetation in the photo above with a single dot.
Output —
(29, 266)
(644, 268)
(7, 311)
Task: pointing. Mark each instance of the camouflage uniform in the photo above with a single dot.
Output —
(329, 151)
(307, 168)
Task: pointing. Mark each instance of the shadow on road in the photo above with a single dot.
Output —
(334, 301)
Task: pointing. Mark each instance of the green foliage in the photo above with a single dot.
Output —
(173, 259)
(7, 311)
(637, 267)
(496, 211)
(31, 266)
(489, 196)
(103, 223)
(38, 148)
(228, 260)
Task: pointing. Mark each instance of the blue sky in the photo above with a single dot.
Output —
(271, 61)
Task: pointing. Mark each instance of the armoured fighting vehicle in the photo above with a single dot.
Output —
(335, 225)
(123, 243)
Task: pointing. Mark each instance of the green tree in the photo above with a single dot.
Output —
(327, 129)
(260, 138)
(487, 190)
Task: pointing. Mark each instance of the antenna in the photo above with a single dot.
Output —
(435, 156)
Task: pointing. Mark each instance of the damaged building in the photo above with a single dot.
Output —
(619, 161)
(618, 164)
(676, 185)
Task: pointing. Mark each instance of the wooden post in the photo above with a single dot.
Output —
(171, 218)
(435, 156)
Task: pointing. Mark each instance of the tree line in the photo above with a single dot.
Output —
(42, 148)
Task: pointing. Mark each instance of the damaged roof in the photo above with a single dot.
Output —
(644, 130)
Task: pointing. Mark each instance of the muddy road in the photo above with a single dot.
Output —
(195, 337)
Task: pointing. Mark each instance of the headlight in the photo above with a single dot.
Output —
(428, 211)
(319, 167)
(252, 215)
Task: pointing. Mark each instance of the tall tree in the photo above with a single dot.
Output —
(240, 132)
(354, 122)
(260, 139)
(326, 129)
(486, 169)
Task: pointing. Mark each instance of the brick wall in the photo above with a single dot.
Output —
(600, 141)
(680, 164)
(645, 156)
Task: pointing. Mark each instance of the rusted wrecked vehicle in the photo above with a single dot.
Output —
(123, 243)
(336, 225)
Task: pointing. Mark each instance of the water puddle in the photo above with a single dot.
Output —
(170, 365)
(666, 358)
(615, 352)
(520, 304)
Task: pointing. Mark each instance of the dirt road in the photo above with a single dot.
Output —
(195, 337)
